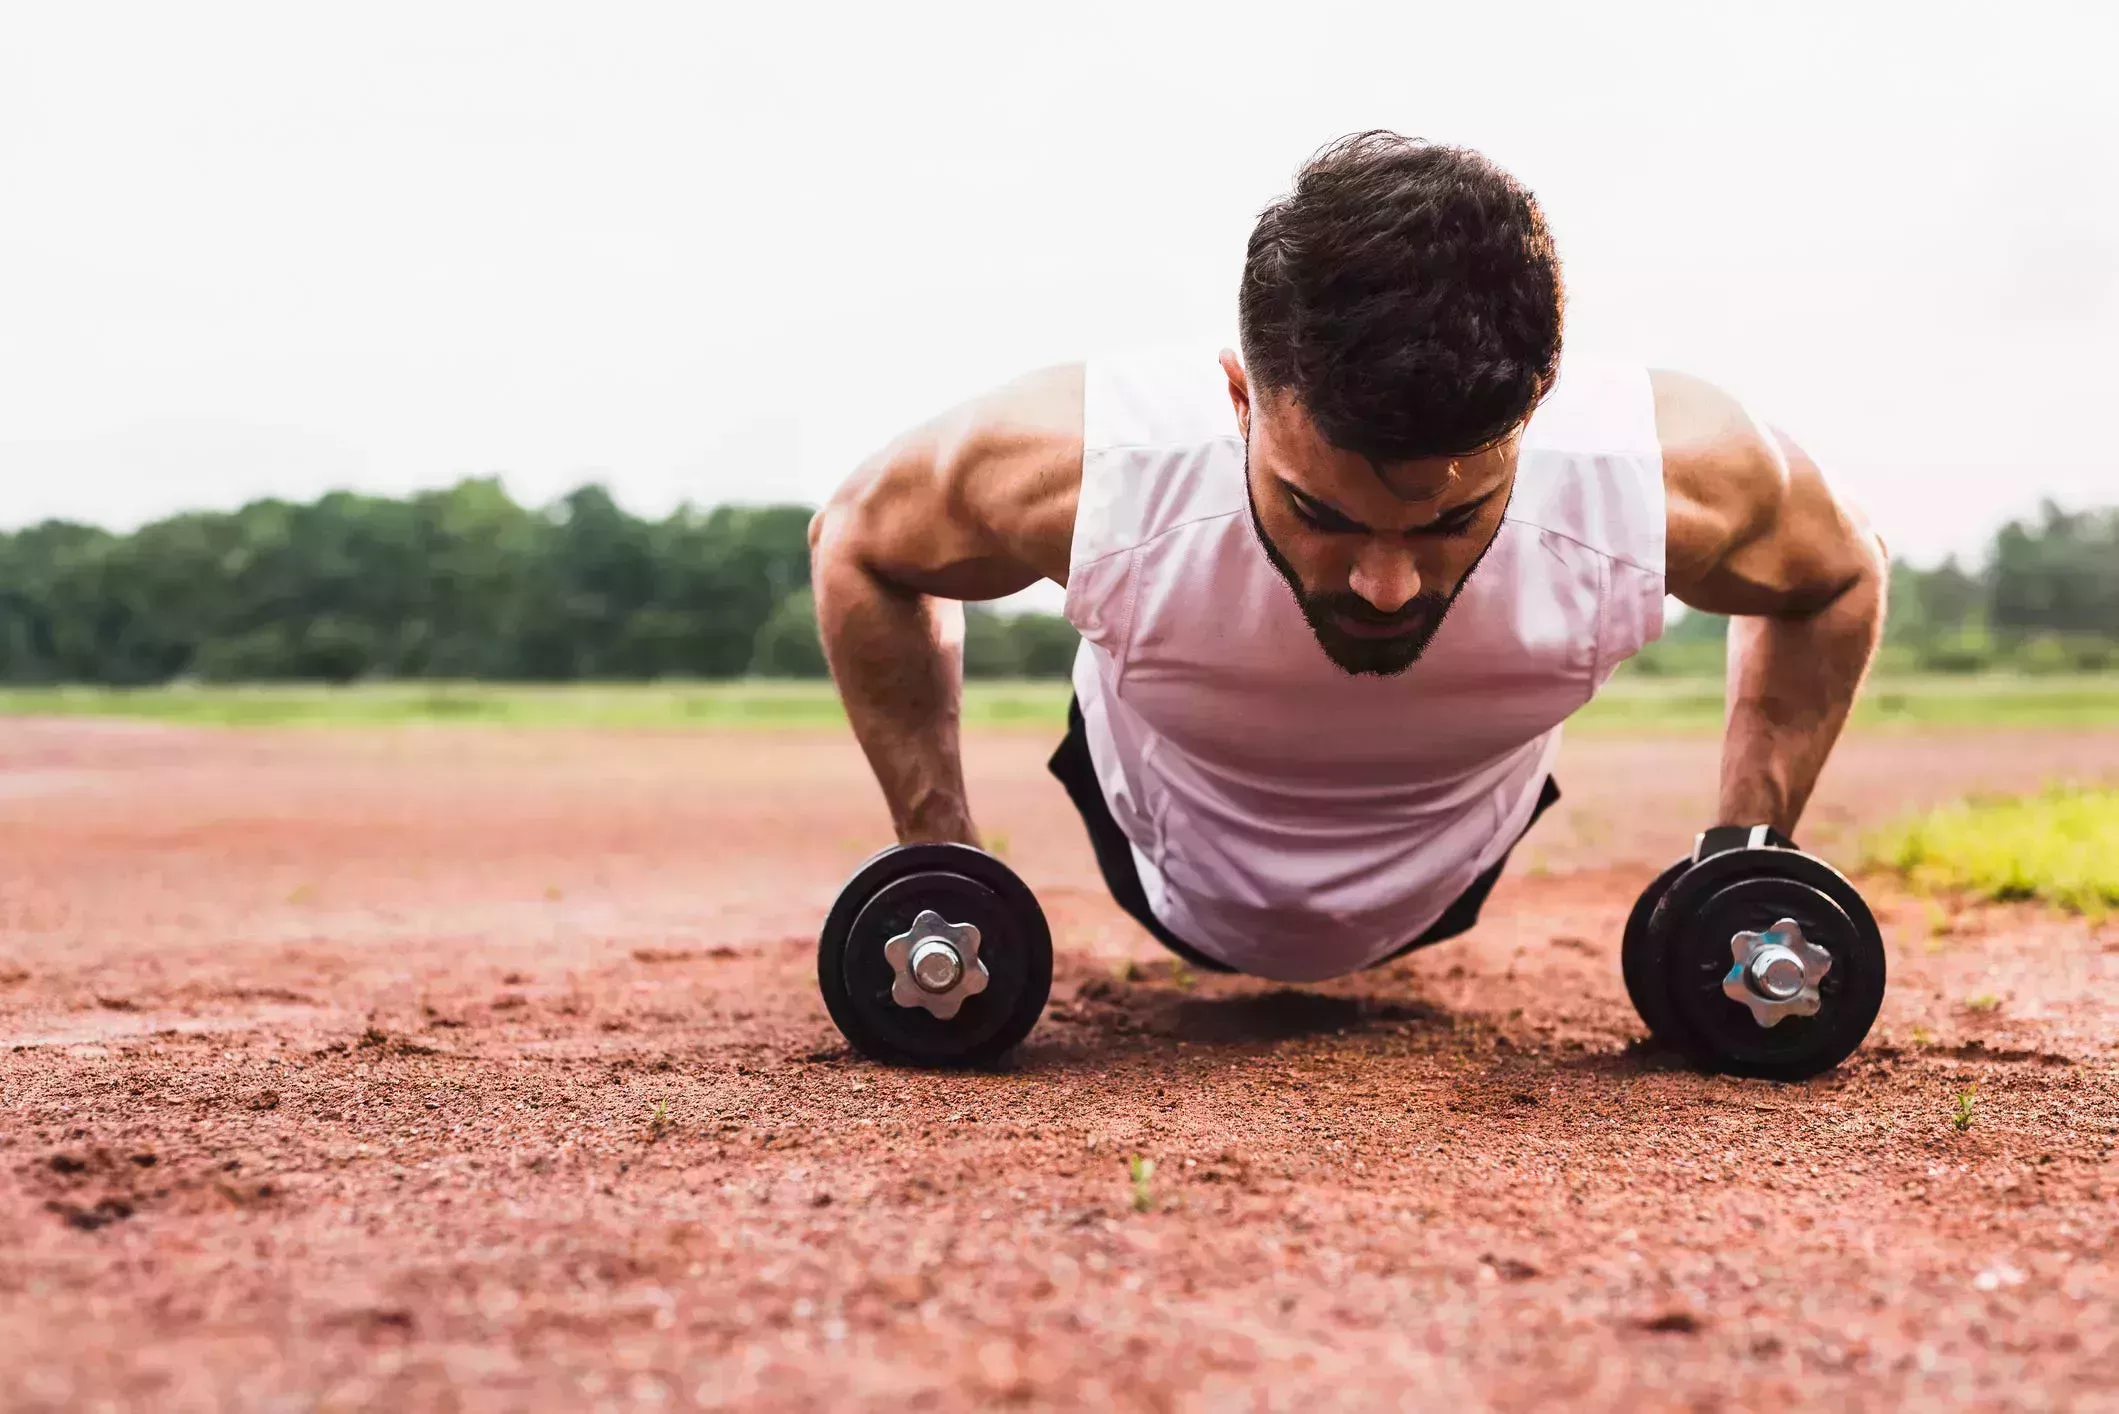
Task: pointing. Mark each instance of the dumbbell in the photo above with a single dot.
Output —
(1750, 957)
(935, 955)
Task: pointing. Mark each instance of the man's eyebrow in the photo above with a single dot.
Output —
(1457, 514)
(1323, 510)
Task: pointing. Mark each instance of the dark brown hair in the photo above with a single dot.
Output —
(1407, 295)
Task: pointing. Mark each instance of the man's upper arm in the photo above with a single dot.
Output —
(975, 504)
(1754, 528)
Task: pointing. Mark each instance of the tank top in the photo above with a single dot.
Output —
(1289, 819)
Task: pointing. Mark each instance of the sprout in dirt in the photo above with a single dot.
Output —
(1142, 1172)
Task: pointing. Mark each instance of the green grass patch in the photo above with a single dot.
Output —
(2061, 847)
(1629, 704)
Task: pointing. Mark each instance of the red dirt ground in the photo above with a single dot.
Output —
(448, 1069)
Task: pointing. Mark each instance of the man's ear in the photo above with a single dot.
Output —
(1239, 391)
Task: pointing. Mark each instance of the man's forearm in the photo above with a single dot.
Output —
(1792, 682)
(898, 660)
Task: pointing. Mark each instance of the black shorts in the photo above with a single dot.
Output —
(1114, 856)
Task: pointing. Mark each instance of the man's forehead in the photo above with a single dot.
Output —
(1427, 482)
(1420, 483)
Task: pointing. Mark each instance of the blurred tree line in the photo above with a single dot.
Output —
(461, 583)
(465, 583)
(2046, 599)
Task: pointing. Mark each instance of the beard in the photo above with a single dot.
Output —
(1414, 625)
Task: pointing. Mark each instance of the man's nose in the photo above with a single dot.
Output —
(1386, 577)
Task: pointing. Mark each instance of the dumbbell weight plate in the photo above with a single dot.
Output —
(1750, 890)
(963, 885)
(1647, 980)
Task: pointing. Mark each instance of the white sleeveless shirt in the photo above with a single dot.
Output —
(1287, 818)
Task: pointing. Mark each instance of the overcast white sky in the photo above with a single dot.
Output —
(720, 251)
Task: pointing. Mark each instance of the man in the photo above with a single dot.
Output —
(1338, 595)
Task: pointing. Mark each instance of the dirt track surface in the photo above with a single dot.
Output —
(437, 1070)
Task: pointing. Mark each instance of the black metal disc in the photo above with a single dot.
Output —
(1641, 962)
(1749, 890)
(963, 885)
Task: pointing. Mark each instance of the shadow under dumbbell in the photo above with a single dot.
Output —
(1101, 1016)
(1639, 1056)
(1287, 1015)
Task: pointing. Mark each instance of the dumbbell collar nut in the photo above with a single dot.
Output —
(1775, 974)
(936, 965)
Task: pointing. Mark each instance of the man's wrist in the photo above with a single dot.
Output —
(1754, 795)
(947, 825)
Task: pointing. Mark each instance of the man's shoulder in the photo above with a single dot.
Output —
(1724, 471)
(1714, 449)
(1704, 431)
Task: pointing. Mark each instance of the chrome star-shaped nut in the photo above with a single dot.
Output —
(937, 964)
(1776, 973)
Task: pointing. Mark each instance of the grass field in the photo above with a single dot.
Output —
(2061, 847)
(1627, 704)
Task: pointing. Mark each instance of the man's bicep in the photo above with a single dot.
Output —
(975, 504)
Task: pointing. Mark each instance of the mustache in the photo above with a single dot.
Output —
(1419, 610)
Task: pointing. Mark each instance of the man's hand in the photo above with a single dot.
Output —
(977, 504)
(1755, 532)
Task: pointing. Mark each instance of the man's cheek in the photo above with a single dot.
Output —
(1328, 569)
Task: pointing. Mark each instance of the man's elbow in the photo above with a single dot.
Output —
(837, 527)
(1857, 590)
(1872, 558)
(827, 539)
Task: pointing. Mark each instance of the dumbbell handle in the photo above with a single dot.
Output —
(1722, 838)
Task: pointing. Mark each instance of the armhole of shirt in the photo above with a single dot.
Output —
(1096, 599)
(1646, 445)
(1632, 616)
(1601, 421)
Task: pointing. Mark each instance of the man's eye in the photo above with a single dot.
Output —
(1330, 525)
(1445, 530)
